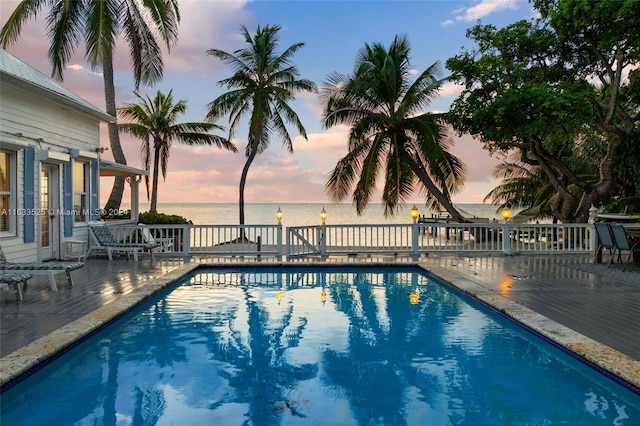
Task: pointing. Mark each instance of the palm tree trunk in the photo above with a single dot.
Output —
(154, 185)
(115, 198)
(433, 189)
(243, 180)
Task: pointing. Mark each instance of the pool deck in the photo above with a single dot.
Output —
(587, 308)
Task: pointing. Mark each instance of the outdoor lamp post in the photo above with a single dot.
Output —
(279, 215)
(414, 232)
(593, 214)
(322, 242)
(506, 214)
(414, 213)
(506, 232)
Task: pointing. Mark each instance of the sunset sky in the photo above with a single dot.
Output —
(333, 33)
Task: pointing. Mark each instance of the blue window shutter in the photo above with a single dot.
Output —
(93, 201)
(67, 198)
(29, 202)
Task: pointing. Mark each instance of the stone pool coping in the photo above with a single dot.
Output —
(602, 356)
(21, 362)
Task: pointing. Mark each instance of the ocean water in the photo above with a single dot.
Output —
(296, 214)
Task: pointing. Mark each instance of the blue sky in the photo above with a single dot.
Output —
(333, 33)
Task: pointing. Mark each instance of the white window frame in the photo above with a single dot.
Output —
(11, 210)
(79, 211)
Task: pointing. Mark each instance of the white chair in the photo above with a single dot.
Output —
(165, 244)
(14, 278)
(103, 239)
(48, 268)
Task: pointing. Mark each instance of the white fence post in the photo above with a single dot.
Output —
(415, 252)
(186, 243)
(279, 242)
(322, 240)
(506, 239)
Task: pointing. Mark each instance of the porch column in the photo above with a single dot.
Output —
(135, 197)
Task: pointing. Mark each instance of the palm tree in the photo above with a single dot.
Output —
(261, 87)
(155, 120)
(390, 134)
(100, 22)
(525, 184)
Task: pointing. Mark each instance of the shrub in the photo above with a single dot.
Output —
(149, 218)
(624, 205)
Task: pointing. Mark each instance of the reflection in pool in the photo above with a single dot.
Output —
(334, 346)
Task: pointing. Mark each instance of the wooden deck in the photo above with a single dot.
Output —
(569, 290)
(598, 302)
(99, 283)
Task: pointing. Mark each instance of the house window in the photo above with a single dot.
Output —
(7, 191)
(79, 191)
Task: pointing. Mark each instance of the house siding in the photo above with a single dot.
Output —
(29, 119)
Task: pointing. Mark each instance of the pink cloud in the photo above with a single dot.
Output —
(451, 90)
(207, 174)
(481, 10)
(206, 25)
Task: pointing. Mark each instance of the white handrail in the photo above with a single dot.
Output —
(323, 241)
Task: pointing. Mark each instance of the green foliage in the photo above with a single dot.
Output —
(556, 91)
(154, 218)
(261, 88)
(154, 122)
(624, 205)
(392, 134)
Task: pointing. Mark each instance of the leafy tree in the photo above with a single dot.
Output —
(263, 84)
(528, 186)
(99, 23)
(390, 134)
(155, 121)
(543, 88)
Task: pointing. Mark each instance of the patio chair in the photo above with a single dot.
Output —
(164, 244)
(103, 239)
(47, 268)
(605, 241)
(623, 243)
(14, 278)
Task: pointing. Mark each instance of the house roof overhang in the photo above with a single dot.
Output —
(109, 168)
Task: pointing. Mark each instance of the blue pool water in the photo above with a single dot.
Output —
(316, 346)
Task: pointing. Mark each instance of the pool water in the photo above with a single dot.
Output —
(316, 346)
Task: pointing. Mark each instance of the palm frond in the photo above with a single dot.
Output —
(24, 11)
(65, 29)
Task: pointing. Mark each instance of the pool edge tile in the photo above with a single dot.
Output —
(36, 353)
(610, 360)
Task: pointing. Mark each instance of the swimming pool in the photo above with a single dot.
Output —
(339, 345)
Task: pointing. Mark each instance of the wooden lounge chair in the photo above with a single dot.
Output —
(14, 278)
(103, 239)
(622, 243)
(48, 268)
(605, 241)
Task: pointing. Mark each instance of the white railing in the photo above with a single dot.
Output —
(417, 239)
(506, 238)
(256, 241)
(222, 240)
(276, 279)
